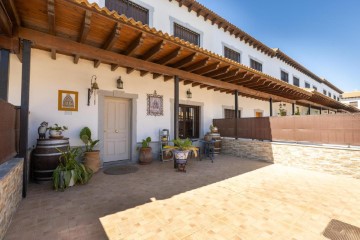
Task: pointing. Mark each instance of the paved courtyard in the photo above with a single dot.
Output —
(228, 199)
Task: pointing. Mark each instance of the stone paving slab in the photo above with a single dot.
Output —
(228, 199)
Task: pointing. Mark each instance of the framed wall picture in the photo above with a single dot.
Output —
(155, 104)
(67, 100)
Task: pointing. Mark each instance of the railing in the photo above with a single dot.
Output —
(9, 131)
(341, 129)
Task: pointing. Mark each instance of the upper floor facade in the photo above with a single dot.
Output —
(197, 27)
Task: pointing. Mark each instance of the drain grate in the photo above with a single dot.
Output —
(337, 230)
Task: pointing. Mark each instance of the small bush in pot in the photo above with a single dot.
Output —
(69, 171)
(181, 150)
(91, 156)
(145, 152)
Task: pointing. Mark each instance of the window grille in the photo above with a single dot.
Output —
(186, 34)
(129, 9)
(255, 65)
(231, 54)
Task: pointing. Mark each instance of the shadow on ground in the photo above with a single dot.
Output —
(75, 213)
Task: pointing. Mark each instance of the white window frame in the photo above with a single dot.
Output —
(257, 60)
(232, 48)
(188, 26)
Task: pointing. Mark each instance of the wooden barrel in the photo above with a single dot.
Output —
(45, 157)
(217, 145)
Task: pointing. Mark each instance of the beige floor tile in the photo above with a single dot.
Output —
(231, 198)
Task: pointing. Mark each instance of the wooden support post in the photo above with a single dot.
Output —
(176, 110)
(4, 74)
(24, 109)
(236, 112)
(293, 108)
(271, 107)
(309, 111)
(320, 110)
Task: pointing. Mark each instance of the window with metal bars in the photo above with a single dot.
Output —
(129, 9)
(284, 76)
(230, 113)
(231, 54)
(329, 94)
(189, 121)
(296, 81)
(307, 85)
(324, 92)
(314, 87)
(255, 65)
(186, 34)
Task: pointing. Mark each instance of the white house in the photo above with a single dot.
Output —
(75, 43)
(351, 98)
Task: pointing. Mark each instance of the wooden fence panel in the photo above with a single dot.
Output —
(9, 131)
(342, 129)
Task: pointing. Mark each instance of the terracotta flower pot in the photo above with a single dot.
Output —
(145, 155)
(92, 160)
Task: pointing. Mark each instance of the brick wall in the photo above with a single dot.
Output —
(11, 174)
(334, 160)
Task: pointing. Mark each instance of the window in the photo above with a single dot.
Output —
(296, 81)
(314, 87)
(307, 85)
(186, 34)
(130, 9)
(189, 119)
(354, 104)
(284, 76)
(324, 92)
(338, 99)
(230, 113)
(231, 54)
(329, 94)
(334, 97)
(258, 114)
(255, 65)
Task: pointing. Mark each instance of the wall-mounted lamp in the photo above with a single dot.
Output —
(119, 83)
(93, 87)
(188, 94)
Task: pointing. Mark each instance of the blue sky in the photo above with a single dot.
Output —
(323, 36)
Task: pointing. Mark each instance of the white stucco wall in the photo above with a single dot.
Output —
(48, 76)
(163, 13)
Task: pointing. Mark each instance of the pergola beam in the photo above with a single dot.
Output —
(170, 56)
(184, 61)
(85, 28)
(153, 50)
(70, 47)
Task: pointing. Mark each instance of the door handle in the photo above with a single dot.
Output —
(116, 131)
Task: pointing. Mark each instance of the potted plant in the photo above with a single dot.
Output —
(282, 110)
(213, 129)
(145, 152)
(181, 150)
(69, 171)
(91, 156)
(297, 111)
(56, 131)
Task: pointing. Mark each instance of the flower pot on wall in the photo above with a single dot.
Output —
(92, 160)
(145, 155)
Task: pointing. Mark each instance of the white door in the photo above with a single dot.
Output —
(116, 129)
